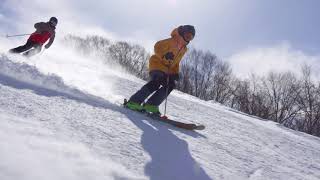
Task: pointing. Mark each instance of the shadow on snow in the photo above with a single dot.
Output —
(170, 155)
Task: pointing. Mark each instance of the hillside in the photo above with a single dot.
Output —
(61, 119)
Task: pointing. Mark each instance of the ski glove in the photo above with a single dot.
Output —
(174, 77)
(46, 46)
(169, 56)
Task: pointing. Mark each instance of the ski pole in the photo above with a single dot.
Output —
(16, 35)
(167, 92)
(167, 89)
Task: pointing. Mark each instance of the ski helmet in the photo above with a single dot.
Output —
(187, 29)
(53, 21)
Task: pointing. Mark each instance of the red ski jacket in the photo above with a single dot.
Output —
(40, 38)
(43, 32)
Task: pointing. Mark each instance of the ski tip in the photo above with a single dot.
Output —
(200, 127)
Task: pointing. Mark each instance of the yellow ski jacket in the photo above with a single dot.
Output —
(176, 45)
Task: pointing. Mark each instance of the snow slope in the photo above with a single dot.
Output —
(61, 119)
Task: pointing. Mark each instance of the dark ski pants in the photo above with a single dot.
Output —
(36, 48)
(158, 86)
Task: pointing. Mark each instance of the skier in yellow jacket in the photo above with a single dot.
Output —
(163, 70)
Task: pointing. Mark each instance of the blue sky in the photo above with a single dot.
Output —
(285, 20)
(225, 27)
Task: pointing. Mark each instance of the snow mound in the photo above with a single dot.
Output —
(25, 76)
(31, 75)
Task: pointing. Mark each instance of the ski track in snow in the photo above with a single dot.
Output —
(61, 119)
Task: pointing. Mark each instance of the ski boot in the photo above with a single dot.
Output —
(133, 106)
(151, 109)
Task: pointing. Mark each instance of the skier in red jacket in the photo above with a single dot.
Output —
(44, 31)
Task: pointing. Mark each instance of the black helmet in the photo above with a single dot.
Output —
(182, 30)
(53, 21)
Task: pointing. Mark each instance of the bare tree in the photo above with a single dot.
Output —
(309, 102)
(206, 77)
(91, 45)
(133, 57)
(196, 72)
(221, 91)
(282, 90)
(248, 97)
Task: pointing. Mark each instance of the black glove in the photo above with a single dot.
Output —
(174, 77)
(169, 56)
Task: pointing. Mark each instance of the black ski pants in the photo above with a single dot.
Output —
(30, 44)
(158, 86)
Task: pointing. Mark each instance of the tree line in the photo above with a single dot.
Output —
(286, 98)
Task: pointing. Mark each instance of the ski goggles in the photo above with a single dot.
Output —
(53, 23)
(188, 37)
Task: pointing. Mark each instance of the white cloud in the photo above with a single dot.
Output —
(279, 58)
